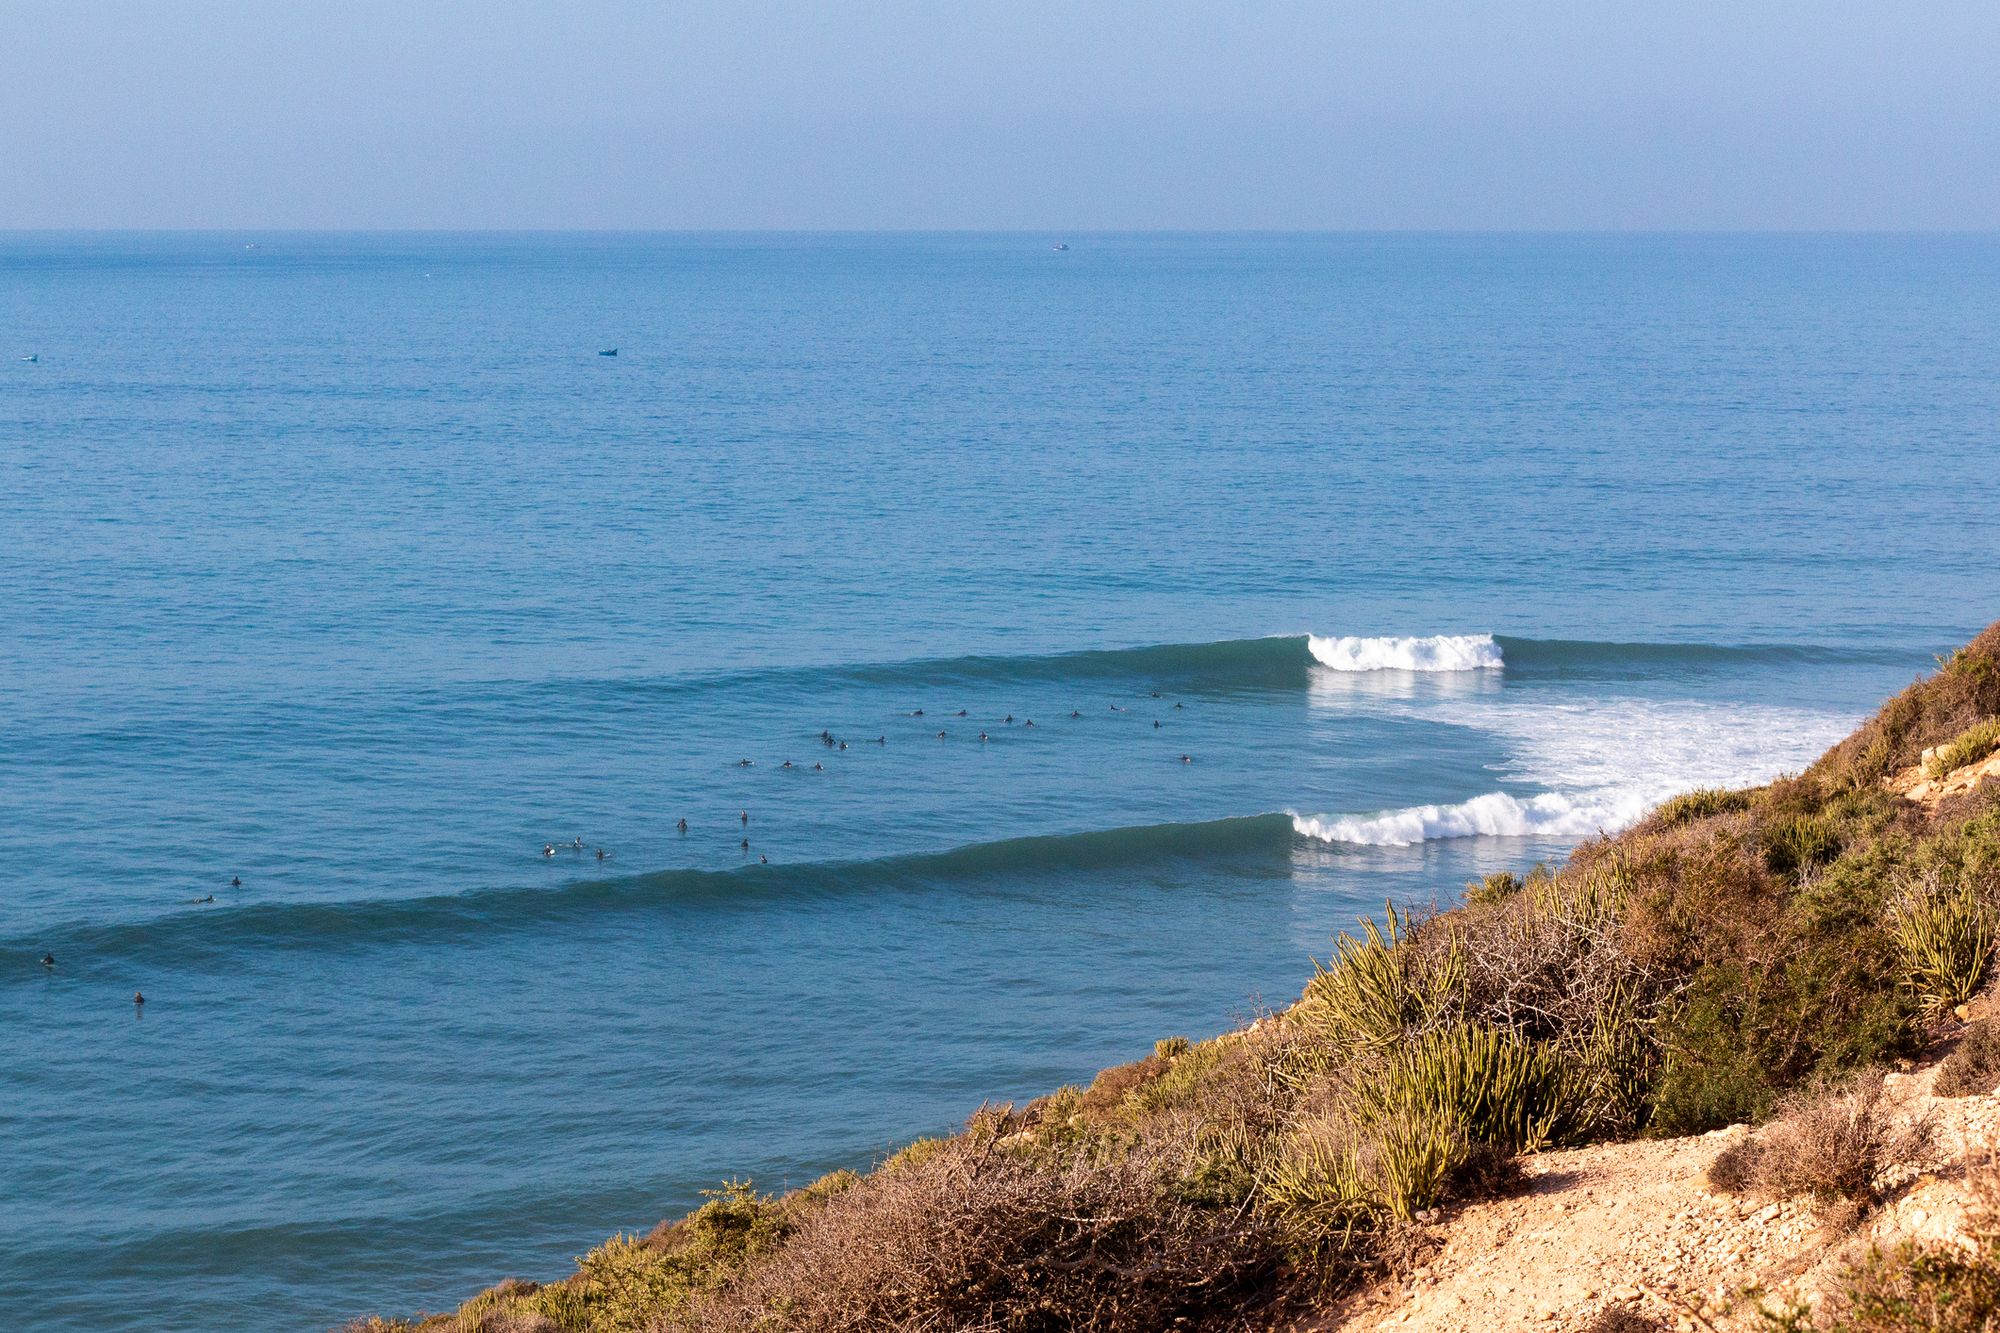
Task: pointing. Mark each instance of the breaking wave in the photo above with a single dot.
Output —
(1494, 815)
(1436, 652)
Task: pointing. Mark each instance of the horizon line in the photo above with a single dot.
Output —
(241, 230)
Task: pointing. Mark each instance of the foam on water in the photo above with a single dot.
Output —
(1603, 764)
(1436, 652)
(1494, 815)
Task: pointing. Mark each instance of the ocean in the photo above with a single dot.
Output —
(1328, 570)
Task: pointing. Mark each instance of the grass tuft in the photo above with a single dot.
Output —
(1968, 747)
(1944, 937)
(1701, 803)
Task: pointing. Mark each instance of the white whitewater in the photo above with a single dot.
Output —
(1437, 652)
(1601, 765)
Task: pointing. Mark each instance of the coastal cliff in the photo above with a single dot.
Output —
(1730, 1068)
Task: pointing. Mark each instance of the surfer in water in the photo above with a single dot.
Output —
(786, 764)
(746, 844)
(744, 818)
(48, 960)
(682, 825)
(600, 853)
(235, 882)
(548, 849)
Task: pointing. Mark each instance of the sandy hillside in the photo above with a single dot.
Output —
(1635, 1224)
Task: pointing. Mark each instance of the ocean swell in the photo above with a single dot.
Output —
(184, 938)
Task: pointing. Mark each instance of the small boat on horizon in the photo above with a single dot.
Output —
(609, 351)
(1060, 245)
(32, 356)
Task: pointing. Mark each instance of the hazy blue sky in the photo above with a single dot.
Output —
(853, 113)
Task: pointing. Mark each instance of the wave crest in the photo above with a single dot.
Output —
(1436, 652)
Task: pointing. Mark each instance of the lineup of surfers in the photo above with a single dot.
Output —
(826, 738)
(48, 960)
(576, 845)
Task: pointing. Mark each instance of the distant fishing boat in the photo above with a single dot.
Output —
(609, 351)
(33, 357)
(1060, 245)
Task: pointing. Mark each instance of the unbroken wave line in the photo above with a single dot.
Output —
(183, 937)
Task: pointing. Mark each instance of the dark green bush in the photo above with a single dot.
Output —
(1493, 888)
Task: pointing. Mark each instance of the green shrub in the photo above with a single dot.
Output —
(1797, 842)
(1944, 937)
(1487, 1084)
(1221, 1171)
(1382, 988)
(1822, 1002)
(628, 1283)
(1701, 803)
(1714, 1075)
(1968, 747)
(1317, 1189)
(1433, 1122)
(1169, 1047)
(1184, 1082)
(1493, 888)
(1619, 1060)
(1412, 1156)
(914, 1153)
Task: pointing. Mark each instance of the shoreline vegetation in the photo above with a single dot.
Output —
(1757, 957)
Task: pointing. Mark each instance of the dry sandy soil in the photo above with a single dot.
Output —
(1635, 1224)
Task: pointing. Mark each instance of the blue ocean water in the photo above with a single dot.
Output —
(347, 566)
